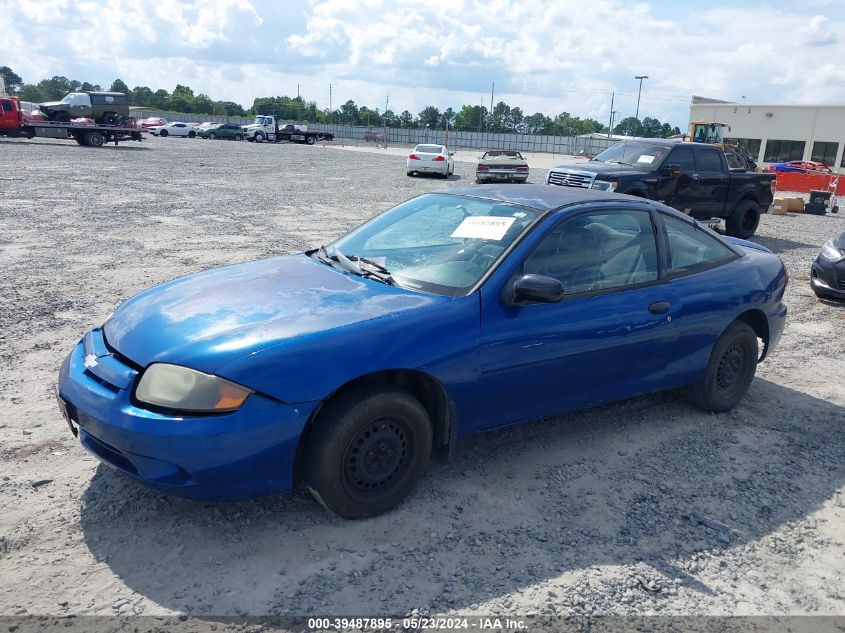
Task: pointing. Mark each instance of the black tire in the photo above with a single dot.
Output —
(744, 220)
(94, 139)
(163, 133)
(259, 138)
(62, 117)
(191, 134)
(834, 209)
(732, 365)
(310, 140)
(212, 135)
(410, 173)
(366, 451)
(239, 137)
(111, 118)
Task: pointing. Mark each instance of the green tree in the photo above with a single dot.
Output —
(141, 96)
(448, 118)
(118, 86)
(203, 104)
(11, 79)
(89, 87)
(471, 118)
(349, 112)
(629, 126)
(499, 117)
(55, 88)
(31, 92)
(160, 99)
(537, 123)
(231, 108)
(429, 118)
(406, 119)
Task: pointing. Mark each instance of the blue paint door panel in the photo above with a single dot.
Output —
(538, 360)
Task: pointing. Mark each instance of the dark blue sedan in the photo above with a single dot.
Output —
(348, 367)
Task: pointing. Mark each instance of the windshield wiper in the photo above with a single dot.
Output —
(620, 162)
(353, 264)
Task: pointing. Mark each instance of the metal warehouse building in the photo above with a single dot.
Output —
(775, 133)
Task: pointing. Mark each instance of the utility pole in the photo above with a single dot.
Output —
(612, 117)
(331, 112)
(386, 104)
(610, 126)
(640, 77)
(480, 114)
(298, 105)
(492, 88)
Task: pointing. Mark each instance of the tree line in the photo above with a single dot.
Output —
(503, 118)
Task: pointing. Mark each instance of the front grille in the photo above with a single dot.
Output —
(842, 284)
(563, 179)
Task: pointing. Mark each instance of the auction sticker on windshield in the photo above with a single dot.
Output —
(645, 158)
(483, 227)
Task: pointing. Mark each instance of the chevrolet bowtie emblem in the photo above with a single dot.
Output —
(90, 361)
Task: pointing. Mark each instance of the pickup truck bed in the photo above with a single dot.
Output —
(691, 177)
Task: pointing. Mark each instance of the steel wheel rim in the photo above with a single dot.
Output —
(378, 459)
(731, 370)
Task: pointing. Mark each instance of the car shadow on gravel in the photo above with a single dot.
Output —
(777, 245)
(649, 483)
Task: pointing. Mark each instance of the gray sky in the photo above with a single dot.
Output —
(549, 56)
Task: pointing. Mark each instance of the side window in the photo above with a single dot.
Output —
(7, 105)
(598, 251)
(709, 161)
(682, 156)
(691, 248)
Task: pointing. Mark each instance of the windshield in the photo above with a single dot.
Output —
(634, 153)
(438, 243)
(259, 120)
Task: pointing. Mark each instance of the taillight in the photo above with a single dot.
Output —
(413, 157)
(482, 168)
(521, 168)
(439, 159)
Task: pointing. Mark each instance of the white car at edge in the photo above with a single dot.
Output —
(430, 158)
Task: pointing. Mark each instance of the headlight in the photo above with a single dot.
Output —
(830, 252)
(175, 387)
(605, 185)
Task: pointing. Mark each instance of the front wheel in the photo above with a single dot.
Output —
(744, 220)
(367, 450)
(733, 363)
(259, 138)
(310, 140)
(239, 137)
(163, 133)
(212, 135)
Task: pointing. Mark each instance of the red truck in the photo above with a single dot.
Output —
(14, 123)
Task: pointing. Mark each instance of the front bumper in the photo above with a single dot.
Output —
(241, 455)
(828, 278)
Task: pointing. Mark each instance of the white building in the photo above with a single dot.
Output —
(775, 133)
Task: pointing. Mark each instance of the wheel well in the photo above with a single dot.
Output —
(423, 387)
(760, 324)
(747, 196)
(639, 193)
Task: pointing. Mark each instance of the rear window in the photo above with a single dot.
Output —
(429, 149)
(709, 160)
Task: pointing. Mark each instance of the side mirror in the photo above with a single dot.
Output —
(673, 170)
(536, 289)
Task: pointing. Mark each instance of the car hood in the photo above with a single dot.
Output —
(209, 319)
(603, 169)
(51, 104)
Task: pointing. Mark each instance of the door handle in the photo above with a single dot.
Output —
(659, 307)
(696, 177)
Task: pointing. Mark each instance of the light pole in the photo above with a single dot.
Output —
(640, 77)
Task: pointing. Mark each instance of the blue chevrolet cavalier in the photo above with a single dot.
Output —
(347, 368)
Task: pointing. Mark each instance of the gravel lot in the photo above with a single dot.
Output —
(591, 513)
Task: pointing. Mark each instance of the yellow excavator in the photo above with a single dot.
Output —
(714, 134)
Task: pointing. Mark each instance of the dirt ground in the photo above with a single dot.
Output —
(593, 513)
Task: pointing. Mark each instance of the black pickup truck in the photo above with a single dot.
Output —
(692, 177)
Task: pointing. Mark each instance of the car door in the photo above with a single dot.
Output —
(713, 180)
(9, 119)
(680, 192)
(611, 336)
(699, 273)
(180, 129)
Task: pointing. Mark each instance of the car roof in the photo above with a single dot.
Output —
(543, 197)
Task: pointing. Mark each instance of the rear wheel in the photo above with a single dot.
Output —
(191, 134)
(410, 173)
(367, 450)
(744, 220)
(94, 139)
(239, 137)
(310, 140)
(733, 363)
(111, 118)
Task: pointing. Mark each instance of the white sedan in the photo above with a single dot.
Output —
(174, 128)
(431, 159)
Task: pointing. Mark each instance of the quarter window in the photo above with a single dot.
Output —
(690, 248)
(598, 251)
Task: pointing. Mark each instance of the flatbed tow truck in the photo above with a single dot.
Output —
(13, 123)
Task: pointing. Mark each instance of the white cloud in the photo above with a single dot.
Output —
(547, 55)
